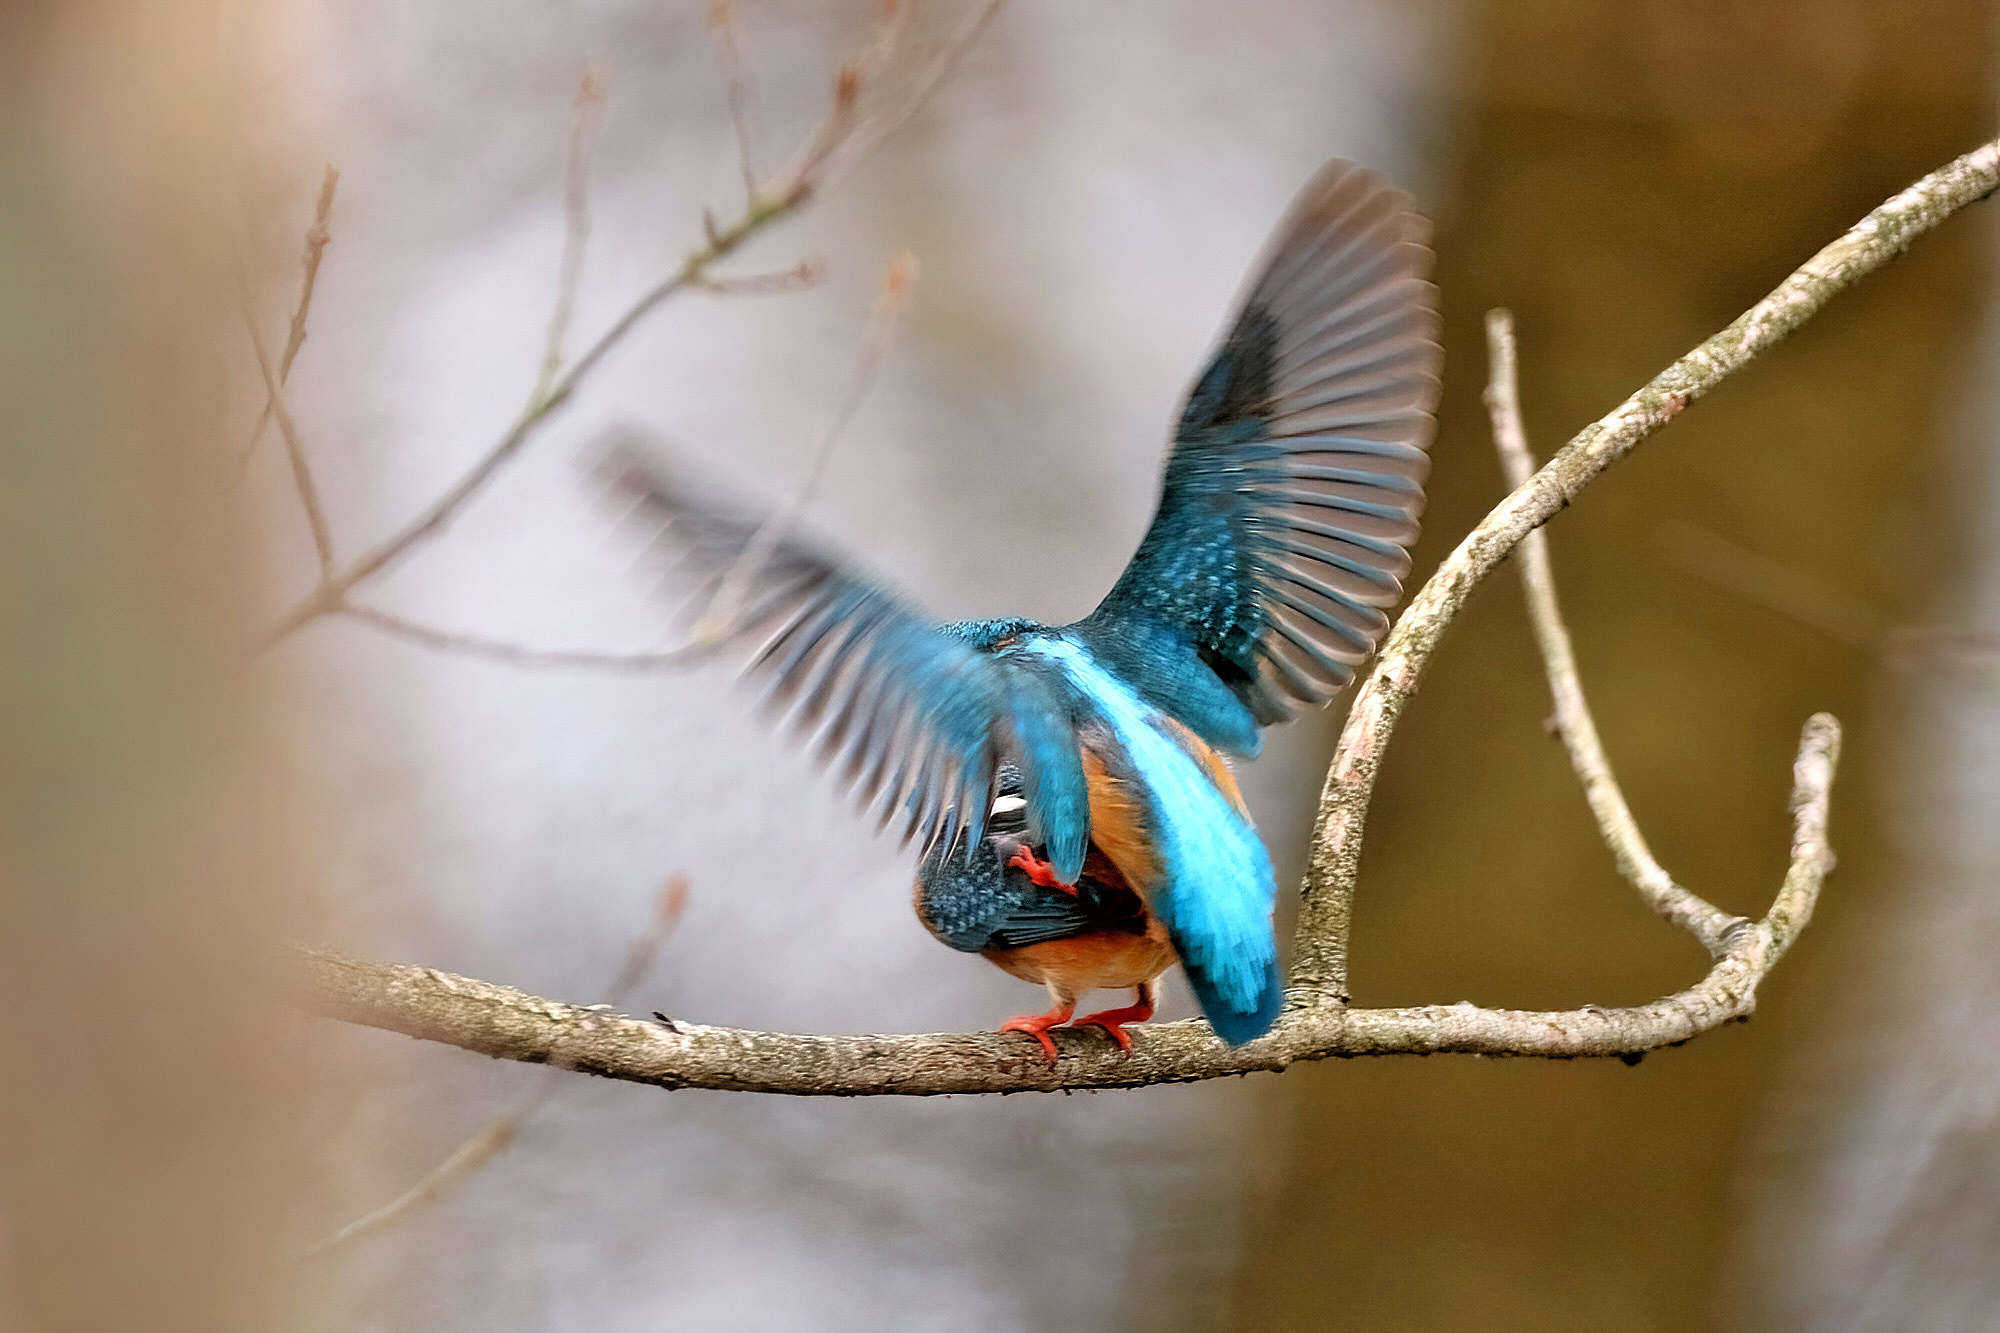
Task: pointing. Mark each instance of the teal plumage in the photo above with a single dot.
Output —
(1290, 499)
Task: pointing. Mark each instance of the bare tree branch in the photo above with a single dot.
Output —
(488, 1143)
(497, 1021)
(576, 225)
(295, 452)
(1578, 728)
(1321, 962)
(722, 17)
(1774, 585)
(1975, 648)
(511, 654)
(724, 606)
(943, 61)
(839, 142)
(805, 274)
(713, 625)
(317, 237)
(494, 1020)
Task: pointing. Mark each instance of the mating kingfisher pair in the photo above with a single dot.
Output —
(1079, 821)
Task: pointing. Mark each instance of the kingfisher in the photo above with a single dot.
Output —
(1070, 786)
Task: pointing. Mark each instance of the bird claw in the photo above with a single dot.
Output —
(1037, 1026)
(1113, 1022)
(1039, 870)
(1115, 1031)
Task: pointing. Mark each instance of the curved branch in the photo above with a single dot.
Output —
(495, 1020)
(1578, 728)
(1335, 860)
(507, 1024)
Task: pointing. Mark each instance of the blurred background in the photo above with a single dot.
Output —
(1083, 195)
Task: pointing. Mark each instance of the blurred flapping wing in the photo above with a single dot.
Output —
(915, 722)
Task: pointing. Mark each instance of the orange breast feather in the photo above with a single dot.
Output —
(1118, 825)
(1212, 763)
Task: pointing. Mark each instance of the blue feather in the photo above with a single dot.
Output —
(1217, 891)
(1053, 781)
(1168, 672)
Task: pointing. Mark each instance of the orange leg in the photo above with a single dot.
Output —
(1113, 1021)
(1038, 1025)
(1039, 870)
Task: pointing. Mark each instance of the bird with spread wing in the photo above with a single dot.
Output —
(1079, 822)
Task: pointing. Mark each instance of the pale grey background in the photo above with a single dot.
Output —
(1084, 198)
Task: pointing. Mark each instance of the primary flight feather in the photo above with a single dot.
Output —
(1080, 825)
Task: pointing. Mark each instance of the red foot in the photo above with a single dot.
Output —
(1113, 1022)
(1038, 1025)
(1039, 870)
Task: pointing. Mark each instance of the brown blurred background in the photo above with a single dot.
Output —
(1628, 178)
(1084, 195)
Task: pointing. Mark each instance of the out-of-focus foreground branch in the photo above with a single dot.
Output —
(504, 1128)
(1318, 1023)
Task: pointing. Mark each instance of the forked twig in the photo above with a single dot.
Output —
(724, 605)
(295, 451)
(317, 237)
(802, 276)
(498, 1021)
(840, 141)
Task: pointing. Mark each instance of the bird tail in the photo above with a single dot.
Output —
(1237, 1017)
(1215, 900)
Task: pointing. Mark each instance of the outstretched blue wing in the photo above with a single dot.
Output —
(915, 720)
(1292, 492)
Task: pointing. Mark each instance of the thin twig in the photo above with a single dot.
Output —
(1977, 648)
(722, 17)
(720, 242)
(809, 170)
(295, 453)
(723, 608)
(576, 225)
(482, 1147)
(802, 276)
(317, 237)
(1574, 721)
(918, 92)
(520, 655)
(713, 625)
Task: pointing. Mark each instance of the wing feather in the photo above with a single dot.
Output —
(1296, 480)
(914, 721)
